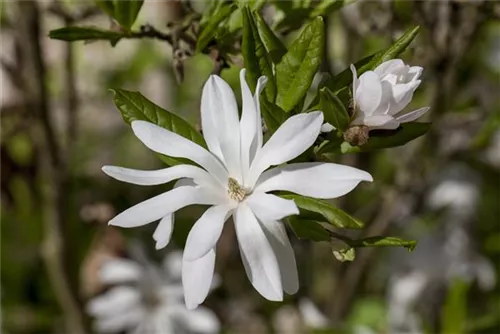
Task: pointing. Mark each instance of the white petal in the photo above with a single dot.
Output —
(115, 301)
(122, 321)
(120, 270)
(153, 177)
(313, 317)
(402, 95)
(327, 127)
(257, 255)
(173, 264)
(248, 123)
(415, 72)
(206, 231)
(320, 180)
(276, 234)
(388, 66)
(271, 207)
(166, 142)
(220, 101)
(373, 121)
(201, 320)
(355, 82)
(291, 139)
(369, 92)
(197, 278)
(412, 115)
(386, 100)
(159, 206)
(209, 122)
(163, 231)
(261, 84)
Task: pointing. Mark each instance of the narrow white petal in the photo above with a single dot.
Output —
(248, 123)
(377, 120)
(224, 113)
(291, 139)
(118, 322)
(415, 72)
(276, 234)
(257, 254)
(386, 100)
(206, 232)
(412, 115)
(115, 301)
(154, 177)
(369, 92)
(209, 121)
(261, 84)
(271, 207)
(388, 66)
(120, 270)
(166, 142)
(197, 278)
(355, 81)
(402, 95)
(163, 231)
(320, 180)
(159, 206)
(327, 127)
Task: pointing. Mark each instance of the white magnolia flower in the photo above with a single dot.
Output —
(381, 94)
(234, 178)
(146, 299)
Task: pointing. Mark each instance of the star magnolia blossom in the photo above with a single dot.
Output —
(146, 299)
(234, 178)
(381, 94)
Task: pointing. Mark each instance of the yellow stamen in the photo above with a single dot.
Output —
(235, 191)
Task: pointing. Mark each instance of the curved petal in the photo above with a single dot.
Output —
(161, 205)
(355, 81)
(276, 234)
(257, 255)
(320, 180)
(386, 100)
(372, 121)
(412, 115)
(402, 95)
(197, 278)
(388, 66)
(261, 84)
(163, 231)
(115, 301)
(206, 231)
(415, 72)
(118, 322)
(369, 92)
(291, 139)
(327, 127)
(219, 104)
(160, 176)
(166, 142)
(271, 207)
(248, 123)
(202, 320)
(118, 270)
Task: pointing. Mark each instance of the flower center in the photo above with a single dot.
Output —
(235, 191)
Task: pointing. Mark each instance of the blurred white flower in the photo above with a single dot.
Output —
(146, 299)
(311, 315)
(381, 94)
(233, 179)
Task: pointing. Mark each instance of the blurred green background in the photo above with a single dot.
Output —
(442, 189)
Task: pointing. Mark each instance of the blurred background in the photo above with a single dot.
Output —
(59, 126)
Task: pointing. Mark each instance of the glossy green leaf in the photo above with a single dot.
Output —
(71, 34)
(126, 11)
(398, 47)
(308, 229)
(235, 21)
(326, 7)
(273, 44)
(392, 138)
(134, 106)
(296, 70)
(273, 115)
(381, 241)
(255, 57)
(209, 30)
(317, 209)
(333, 109)
(107, 6)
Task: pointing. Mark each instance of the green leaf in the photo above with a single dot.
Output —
(392, 138)
(273, 115)
(326, 7)
(134, 106)
(381, 241)
(255, 57)
(209, 30)
(333, 109)
(107, 6)
(308, 229)
(344, 78)
(398, 47)
(126, 12)
(296, 70)
(273, 44)
(71, 34)
(320, 210)
(235, 21)
(454, 315)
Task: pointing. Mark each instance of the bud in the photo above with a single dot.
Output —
(357, 135)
